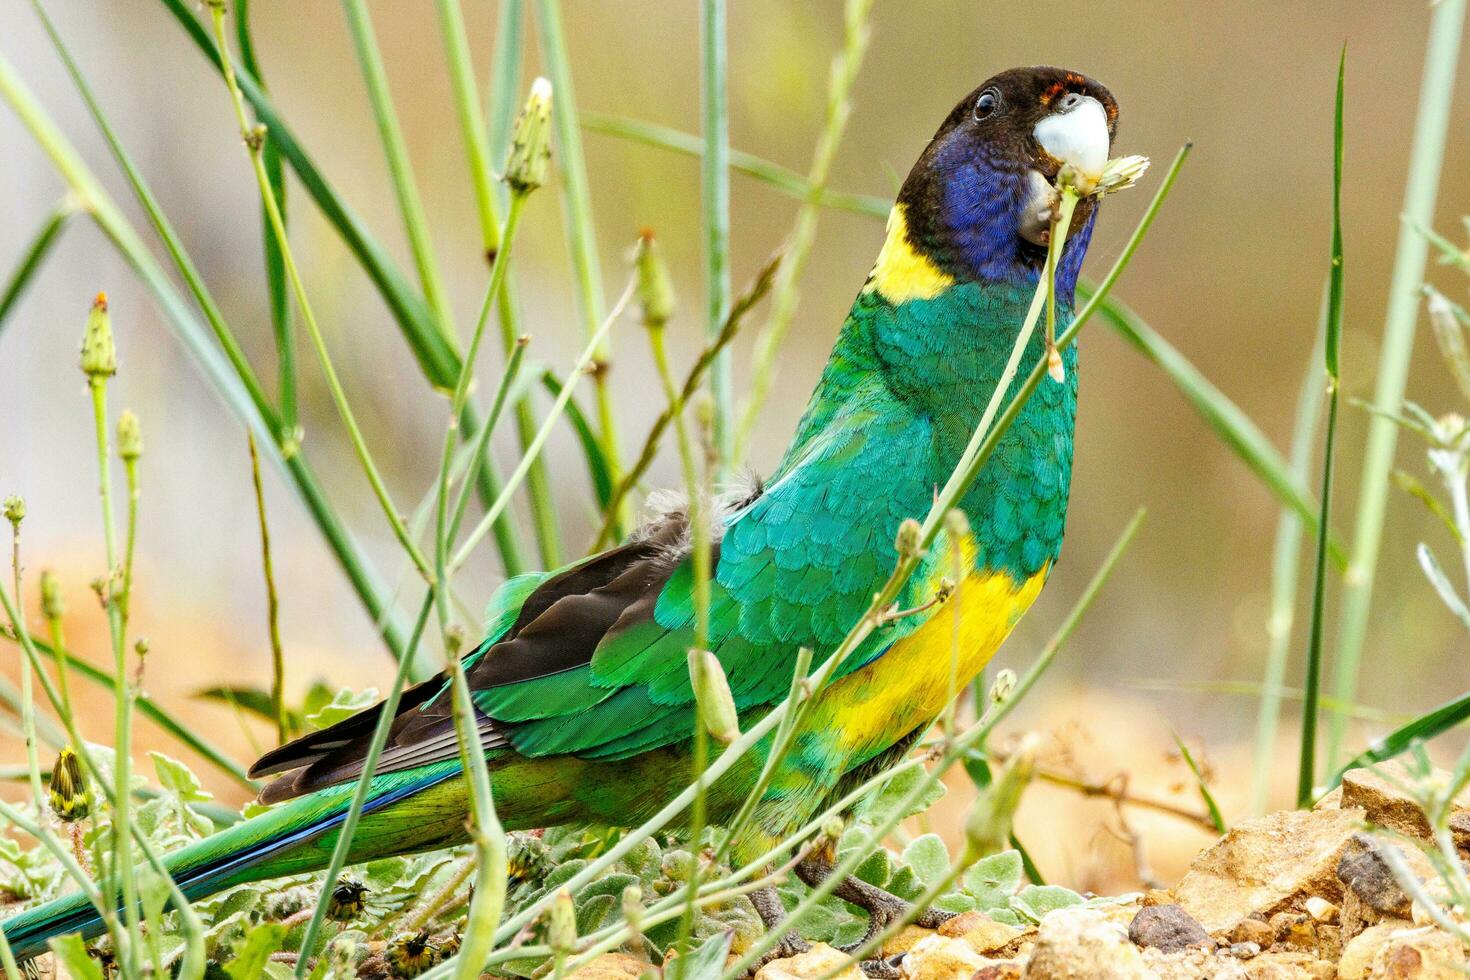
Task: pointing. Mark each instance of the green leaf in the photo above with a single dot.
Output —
(992, 881)
(1035, 901)
(592, 913)
(176, 778)
(892, 793)
(875, 869)
(343, 705)
(706, 961)
(260, 942)
(612, 885)
(955, 902)
(905, 884)
(928, 857)
(1442, 585)
(1216, 817)
(71, 952)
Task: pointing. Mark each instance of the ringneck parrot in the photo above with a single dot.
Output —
(585, 710)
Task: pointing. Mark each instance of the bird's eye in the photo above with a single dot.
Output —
(988, 102)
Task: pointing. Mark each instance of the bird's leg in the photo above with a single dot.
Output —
(883, 908)
(773, 914)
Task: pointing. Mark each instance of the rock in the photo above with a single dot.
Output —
(1266, 865)
(611, 966)
(815, 962)
(1168, 928)
(1460, 829)
(1372, 894)
(1080, 944)
(1253, 930)
(1394, 952)
(1191, 964)
(1005, 970)
(1289, 965)
(1294, 930)
(1243, 951)
(940, 958)
(908, 937)
(1384, 803)
(1320, 909)
(983, 933)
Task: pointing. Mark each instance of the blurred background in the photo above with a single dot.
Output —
(1231, 274)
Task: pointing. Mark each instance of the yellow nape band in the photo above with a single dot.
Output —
(901, 273)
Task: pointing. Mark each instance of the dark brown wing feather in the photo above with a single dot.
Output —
(559, 627)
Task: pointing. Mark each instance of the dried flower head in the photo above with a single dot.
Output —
(348, 900)
(410, 954)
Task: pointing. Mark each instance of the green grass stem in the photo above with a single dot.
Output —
(34, 256)
(1436, 98)
(715, 213)
(845, 67)
(1312, 686)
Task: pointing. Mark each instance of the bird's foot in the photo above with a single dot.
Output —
(773, 914)
(883, 907)
(789, 945)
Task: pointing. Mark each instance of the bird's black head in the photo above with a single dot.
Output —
(977, 201)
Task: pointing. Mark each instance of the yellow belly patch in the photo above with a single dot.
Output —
(901, 273)
(910, 684)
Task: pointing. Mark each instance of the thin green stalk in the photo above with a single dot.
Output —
(272, 604)
(122, 836)
(505, 77)
(35, 254)
(146, 706)
(364, 784)
(230, 374)
(275, 268)
(1331, 341)
(334, 385)
(715, 213)
(1436, 97)
(585, 364)
(27, 693)
(1285, 560)
(1231, 426)
(471, 118)
(577, 213)
(696, 492)
(485, 828)
(783, 179)
(845, 68)
(734, 319)
(487, 209)
(375, 76)
(507, 379)
(436, 358)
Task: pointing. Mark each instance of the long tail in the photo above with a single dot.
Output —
(296, 837)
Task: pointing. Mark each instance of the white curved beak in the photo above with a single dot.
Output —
(1077, 133)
